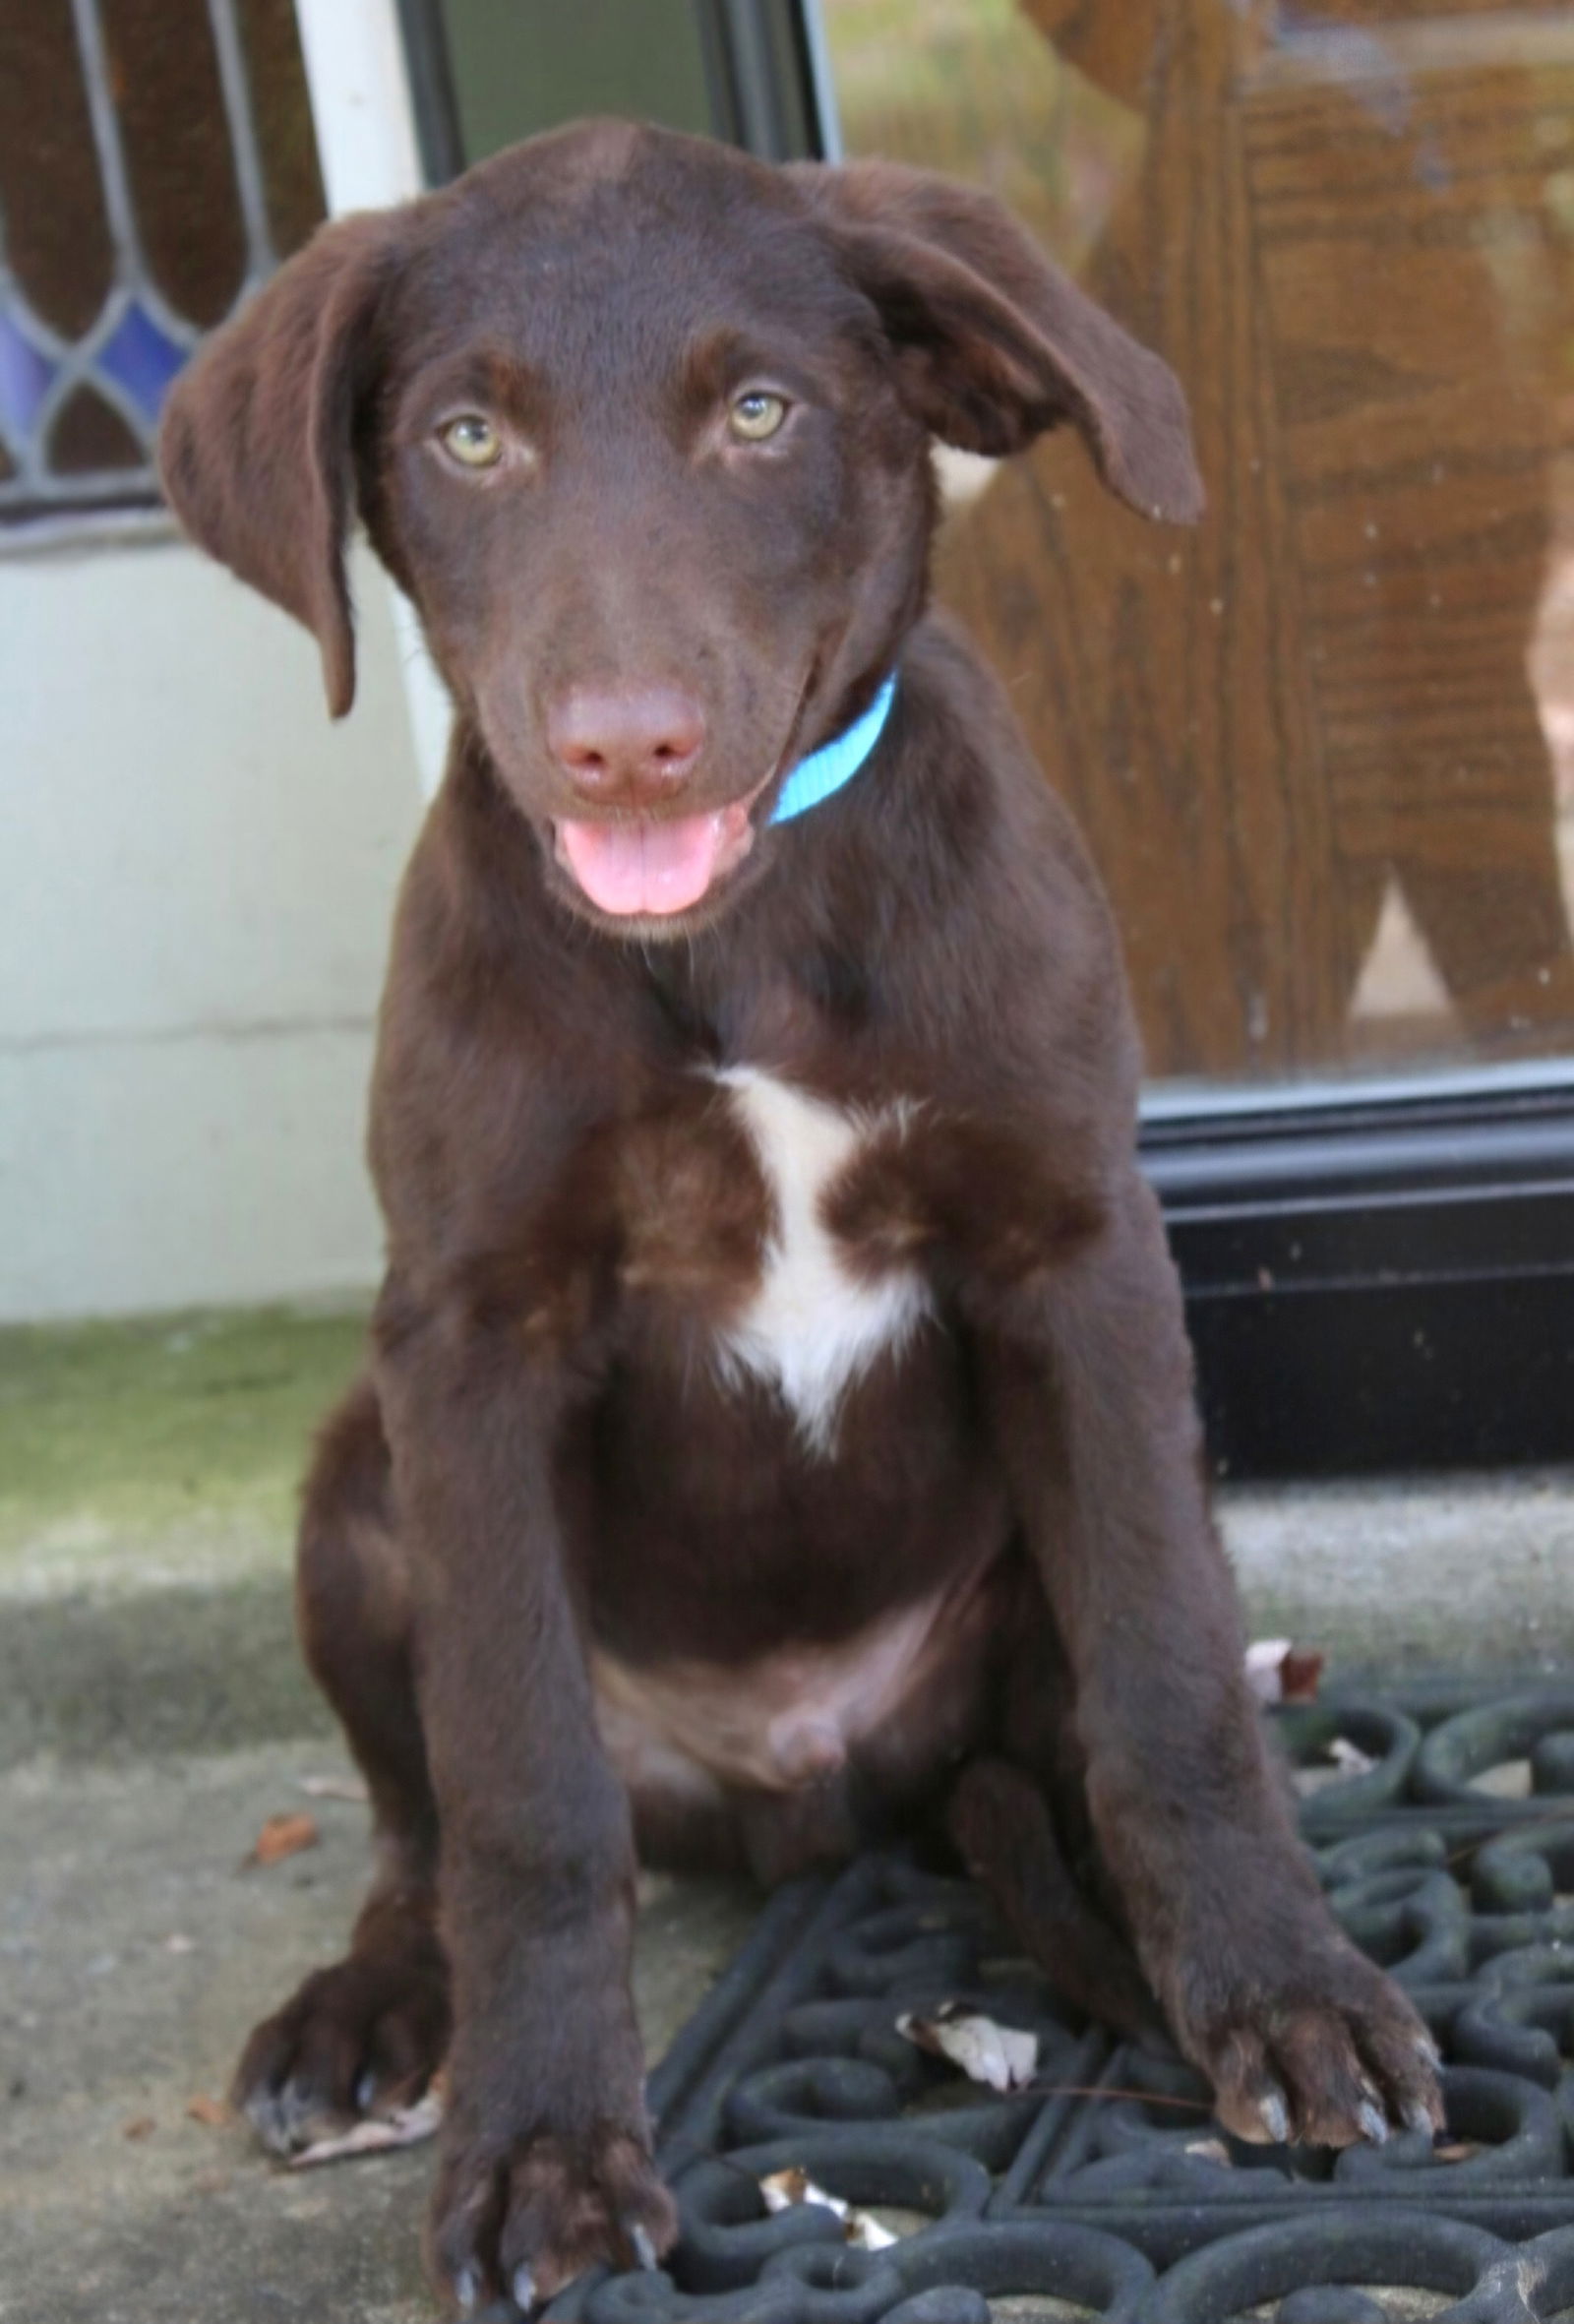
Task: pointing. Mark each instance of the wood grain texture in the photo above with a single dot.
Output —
(1417, 289)
(1361, 269)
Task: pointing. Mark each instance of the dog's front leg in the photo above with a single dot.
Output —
(1089, 1379)
(545, 2165)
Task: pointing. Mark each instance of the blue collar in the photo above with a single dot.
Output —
(824, 772)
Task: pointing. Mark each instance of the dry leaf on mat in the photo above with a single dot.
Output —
(783, 2188)
(998, 2055)
(212, 2112)
(284, 1835)
(1341, 1760)
(1279, 1671)
(406, 2126)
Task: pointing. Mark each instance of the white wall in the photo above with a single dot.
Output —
(195, 875)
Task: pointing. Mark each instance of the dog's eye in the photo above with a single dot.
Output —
(756, 415)
(472, 440)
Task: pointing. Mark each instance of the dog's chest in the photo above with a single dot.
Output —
(815, 1318)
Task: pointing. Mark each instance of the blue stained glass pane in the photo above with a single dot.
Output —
(140, 359)
(24, 377)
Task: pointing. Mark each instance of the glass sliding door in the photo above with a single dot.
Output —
(1323, 746)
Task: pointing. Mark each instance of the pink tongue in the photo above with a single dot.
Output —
(644, 867)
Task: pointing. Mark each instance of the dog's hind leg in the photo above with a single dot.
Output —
(367, 2034)
(1000, 1822)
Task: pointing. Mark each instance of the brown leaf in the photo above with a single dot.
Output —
(998, 2055)
(1455, 2150)
(783, 2188)
(406, 2126)
(211, 2112)
(284, 1835)
(1279, 1671)
(1299, 1675)
(139, 2126)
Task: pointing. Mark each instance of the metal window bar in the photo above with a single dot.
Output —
(763, 64)
(135, 318)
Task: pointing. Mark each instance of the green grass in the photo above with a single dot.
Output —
(179, 1439)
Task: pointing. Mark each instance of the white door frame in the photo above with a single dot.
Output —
(364, 117)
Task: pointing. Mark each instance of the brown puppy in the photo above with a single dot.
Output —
(779, 1415)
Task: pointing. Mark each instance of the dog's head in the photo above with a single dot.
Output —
(643, 427)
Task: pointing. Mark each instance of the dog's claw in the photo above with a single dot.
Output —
(1371, 2122)
(644, 2251)
(467, 2291)
(283, 2118)
(1275, 2118)
(524, 2289)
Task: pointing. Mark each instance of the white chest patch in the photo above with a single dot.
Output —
(813, 1327)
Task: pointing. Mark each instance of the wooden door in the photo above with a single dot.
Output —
(1312, 743)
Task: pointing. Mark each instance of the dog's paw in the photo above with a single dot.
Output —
(359, 2038)
(1325, 2050)
(514, 2226)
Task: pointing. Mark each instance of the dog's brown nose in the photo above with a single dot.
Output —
(626, 746)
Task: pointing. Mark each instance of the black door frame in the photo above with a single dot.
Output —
(1377, 1281)
(766, 81)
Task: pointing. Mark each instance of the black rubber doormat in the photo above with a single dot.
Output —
(1447, 1849)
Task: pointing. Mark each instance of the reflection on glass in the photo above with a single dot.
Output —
(1323, 746)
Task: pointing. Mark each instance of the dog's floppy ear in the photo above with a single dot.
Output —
(992, 343)
(257, 443)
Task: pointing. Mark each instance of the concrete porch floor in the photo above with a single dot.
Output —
(152, 1714)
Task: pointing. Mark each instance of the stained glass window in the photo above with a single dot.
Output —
(157, 161)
